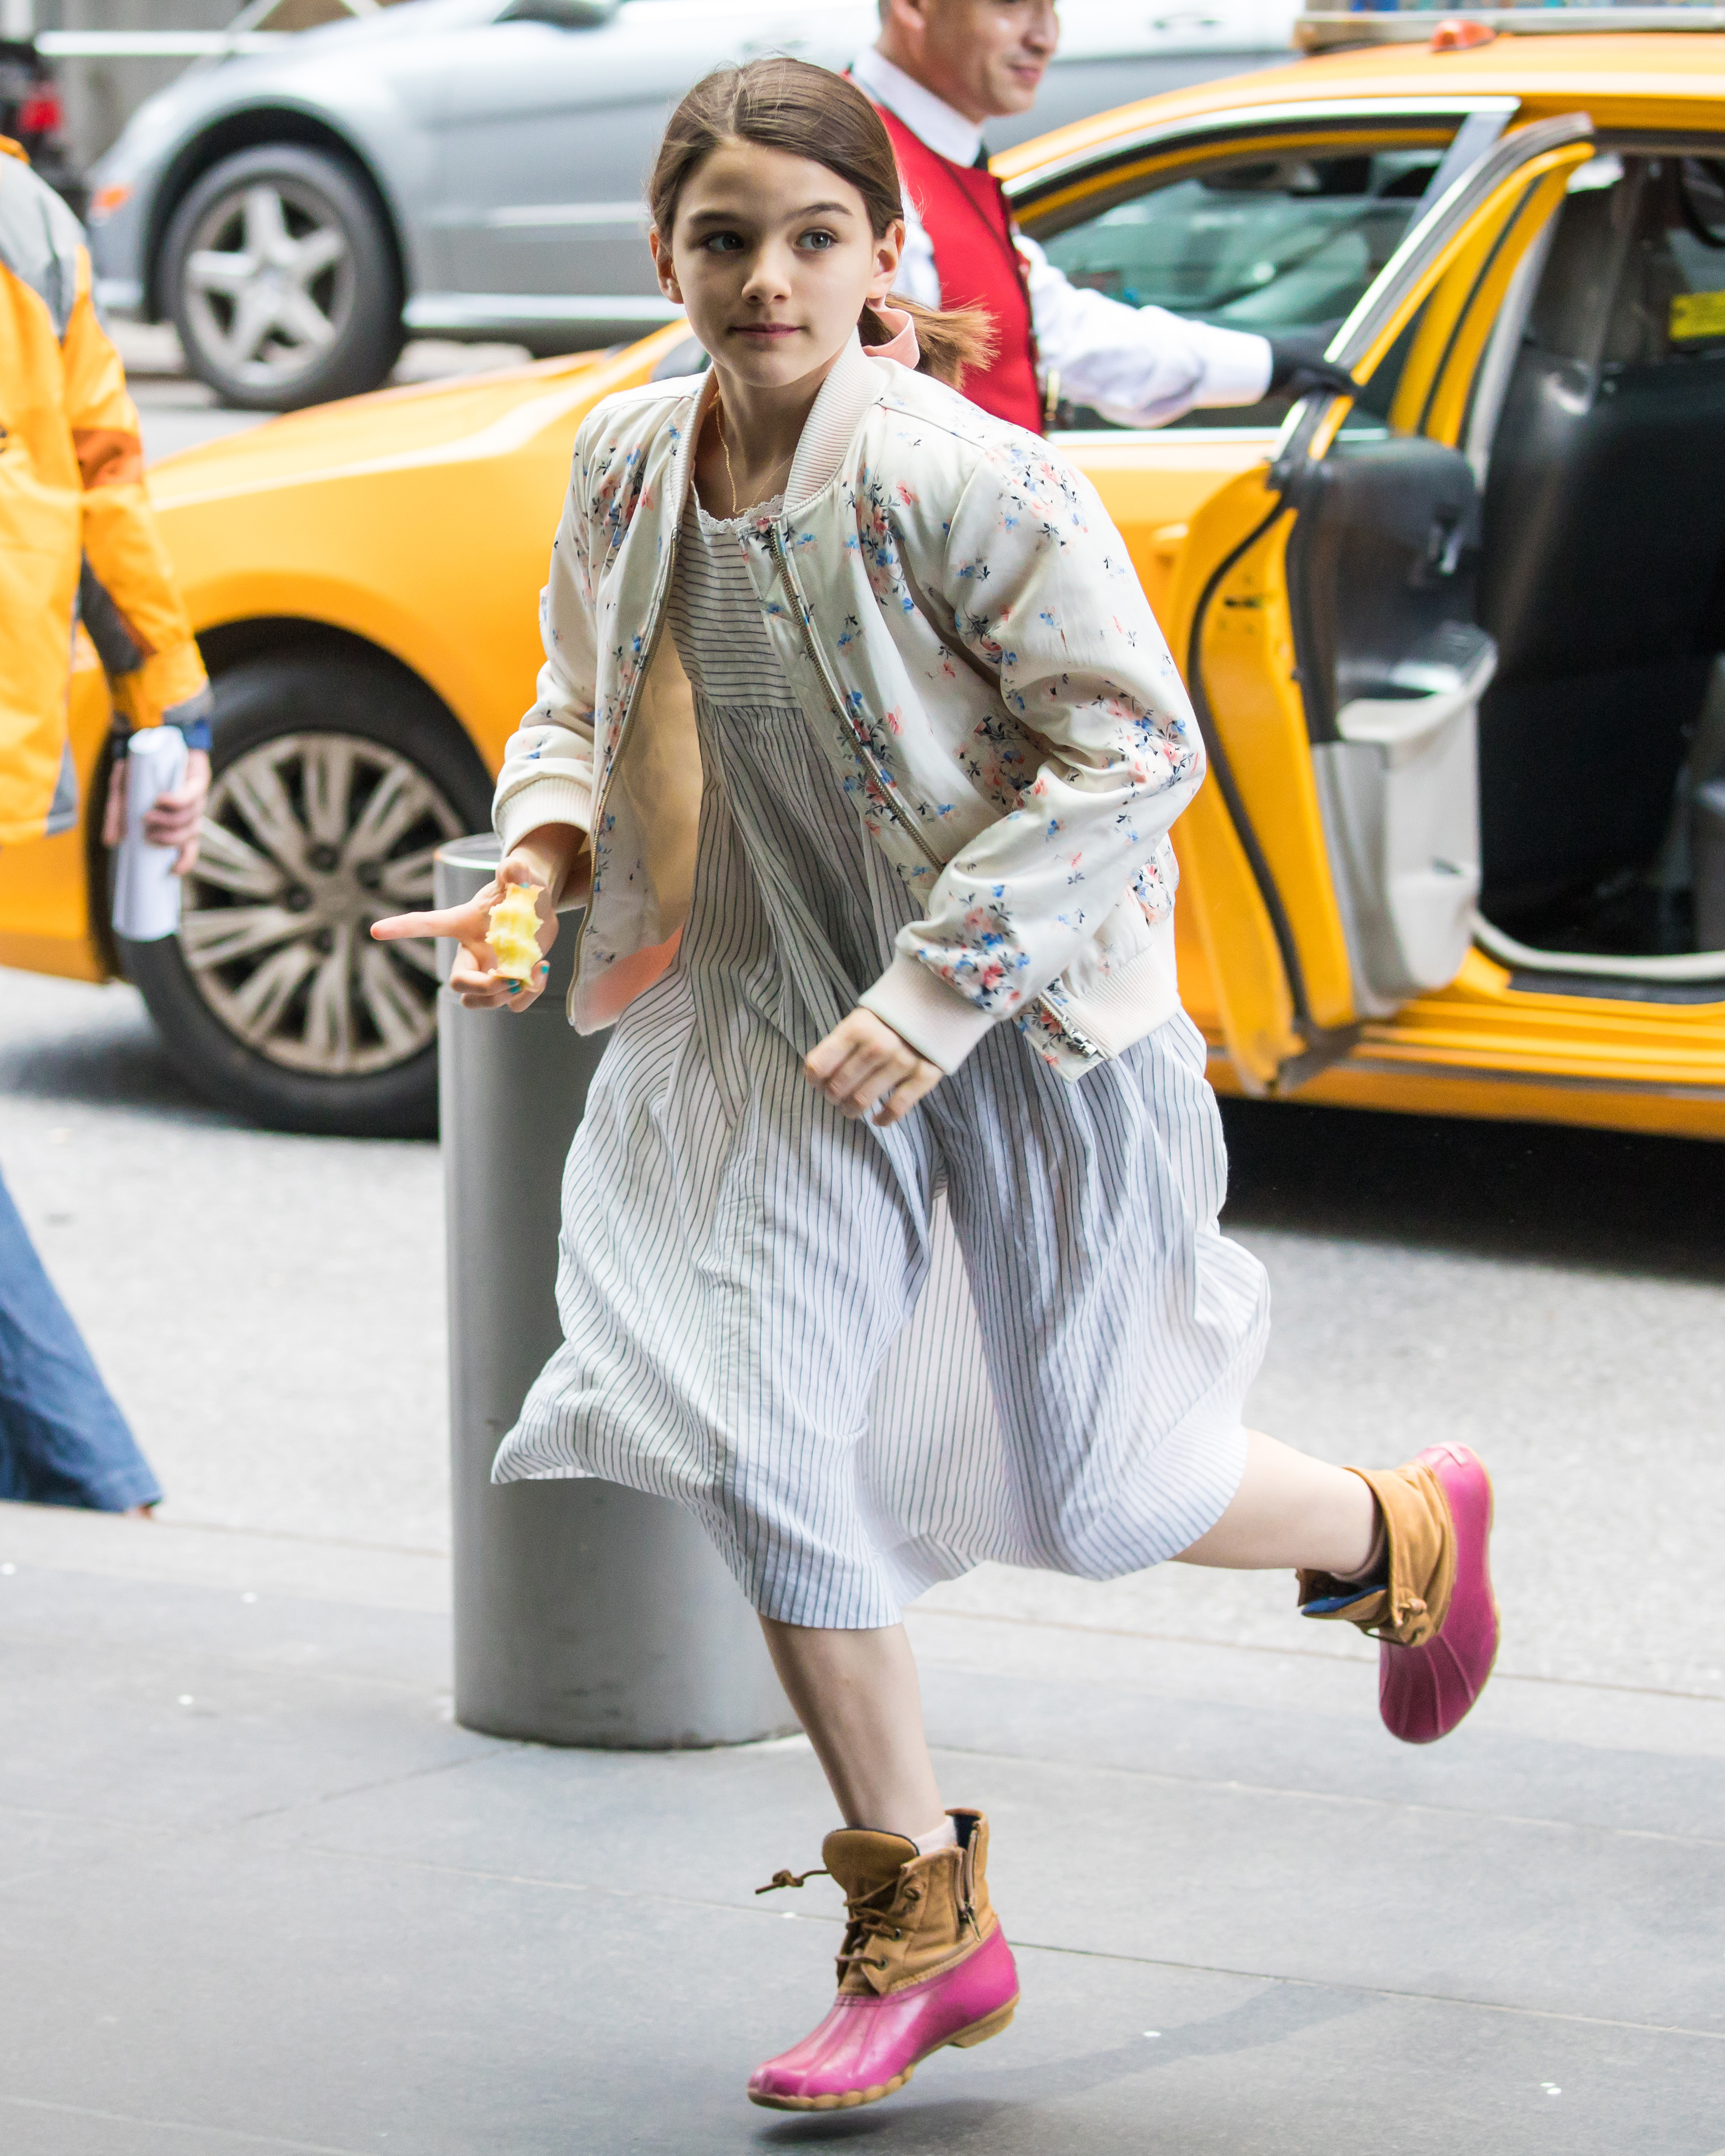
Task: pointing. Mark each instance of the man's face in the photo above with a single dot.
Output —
(985, 58)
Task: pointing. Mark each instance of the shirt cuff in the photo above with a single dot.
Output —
(545, 801)
(1237, 365)
(936, 1020)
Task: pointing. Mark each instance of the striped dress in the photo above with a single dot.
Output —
(1007, 1327)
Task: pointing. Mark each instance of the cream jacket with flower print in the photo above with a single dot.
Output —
(956, 612)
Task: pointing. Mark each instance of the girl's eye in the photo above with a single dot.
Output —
(820, 239)
(721, 242)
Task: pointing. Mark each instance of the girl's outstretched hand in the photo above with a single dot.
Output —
(474, 977)
(864, 1065)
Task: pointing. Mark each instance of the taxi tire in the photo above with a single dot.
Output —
(371, 339)
(254, 702)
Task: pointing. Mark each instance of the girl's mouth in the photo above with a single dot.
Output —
(764, 329)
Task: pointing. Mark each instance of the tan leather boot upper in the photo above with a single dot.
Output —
(1420, 1560)
(911, 1916)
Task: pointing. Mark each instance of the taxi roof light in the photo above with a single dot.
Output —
(1456, 33)
(1328, 30)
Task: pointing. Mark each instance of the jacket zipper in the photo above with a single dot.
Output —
(817, 661)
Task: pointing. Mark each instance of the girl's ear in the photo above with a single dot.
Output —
(889, 253)
(662, 263)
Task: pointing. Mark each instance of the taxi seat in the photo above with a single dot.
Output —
(1603, 540)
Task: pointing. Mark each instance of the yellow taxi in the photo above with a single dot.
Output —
(1455, 646)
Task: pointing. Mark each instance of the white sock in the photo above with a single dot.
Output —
(943, 1836)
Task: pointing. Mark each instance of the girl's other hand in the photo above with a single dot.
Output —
(864, 1065)
(474, 977)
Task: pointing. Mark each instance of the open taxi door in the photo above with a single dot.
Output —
(1322, 611)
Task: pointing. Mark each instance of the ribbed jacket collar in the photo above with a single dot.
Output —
(854, 383)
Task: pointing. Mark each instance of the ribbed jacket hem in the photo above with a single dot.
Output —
(1120, 1010)
(937, 1021)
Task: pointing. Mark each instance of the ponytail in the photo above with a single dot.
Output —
(949, 340)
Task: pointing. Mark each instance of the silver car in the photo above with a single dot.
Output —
(474, 168)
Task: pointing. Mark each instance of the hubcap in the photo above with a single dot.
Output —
(307, 840)
(269, 282)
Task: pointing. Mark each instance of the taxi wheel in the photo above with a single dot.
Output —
(333, 783)
(281, 274)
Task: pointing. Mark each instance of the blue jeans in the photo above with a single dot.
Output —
(62, 1439)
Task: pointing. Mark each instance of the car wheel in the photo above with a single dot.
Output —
(333, 783)
(280, 276)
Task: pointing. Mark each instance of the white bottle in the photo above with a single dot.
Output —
(146, 891)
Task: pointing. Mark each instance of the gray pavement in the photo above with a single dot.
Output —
(260, 1892)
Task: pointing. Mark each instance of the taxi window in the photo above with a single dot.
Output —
(1268, 245)
(1636, 274)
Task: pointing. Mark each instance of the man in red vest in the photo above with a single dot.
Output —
(941, 68)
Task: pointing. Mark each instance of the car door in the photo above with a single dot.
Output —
(549, 126)
(1320, 604)
(1274, 218)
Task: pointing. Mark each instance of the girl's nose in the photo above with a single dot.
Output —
(769, 274)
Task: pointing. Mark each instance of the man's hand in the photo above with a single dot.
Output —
(864, 1065)
(175, 819)
(1297, 367)
(544, 857)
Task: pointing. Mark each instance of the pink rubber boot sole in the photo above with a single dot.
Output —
(867, 2048)
(1423, 1691)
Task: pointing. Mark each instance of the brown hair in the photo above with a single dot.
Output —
(807, 111)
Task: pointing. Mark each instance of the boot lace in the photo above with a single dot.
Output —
(792, 1879)
(868, 1923)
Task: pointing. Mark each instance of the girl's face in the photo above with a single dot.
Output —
(772, 257)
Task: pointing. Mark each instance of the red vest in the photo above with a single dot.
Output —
(964, 214)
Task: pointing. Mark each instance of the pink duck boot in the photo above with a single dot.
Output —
(1429, 1604)
(924, 1963)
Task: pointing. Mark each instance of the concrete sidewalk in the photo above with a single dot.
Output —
(260, 1892)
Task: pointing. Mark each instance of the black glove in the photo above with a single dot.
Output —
(1298, 366)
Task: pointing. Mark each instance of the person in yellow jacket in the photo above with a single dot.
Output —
(78, 542)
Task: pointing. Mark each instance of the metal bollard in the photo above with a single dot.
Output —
(585, 1613)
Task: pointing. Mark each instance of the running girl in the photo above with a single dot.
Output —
(858, 742)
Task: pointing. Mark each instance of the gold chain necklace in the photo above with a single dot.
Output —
(724, 445)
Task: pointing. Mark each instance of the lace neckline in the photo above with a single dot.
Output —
(746, 519)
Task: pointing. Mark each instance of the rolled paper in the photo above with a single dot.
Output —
(146, 891)
(514, 931)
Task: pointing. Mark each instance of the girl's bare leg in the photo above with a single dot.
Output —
(1292, 1511)
(856, 1694)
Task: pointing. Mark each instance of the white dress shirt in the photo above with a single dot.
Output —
(1139, 367)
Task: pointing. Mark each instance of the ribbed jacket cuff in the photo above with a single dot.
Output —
(920, 1009)
(542, 801)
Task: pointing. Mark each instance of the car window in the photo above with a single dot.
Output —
(1268, 244)
(1637, 273)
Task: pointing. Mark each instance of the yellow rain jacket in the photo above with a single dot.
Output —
(77, 536)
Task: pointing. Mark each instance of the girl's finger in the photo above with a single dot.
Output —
(492, 991)
(456, 921)
(863, 1068)
(904, 1098)
(823, 1061)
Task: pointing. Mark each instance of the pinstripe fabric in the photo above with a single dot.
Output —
(1007, 1328)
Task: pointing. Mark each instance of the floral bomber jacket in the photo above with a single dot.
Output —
(958, 616)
